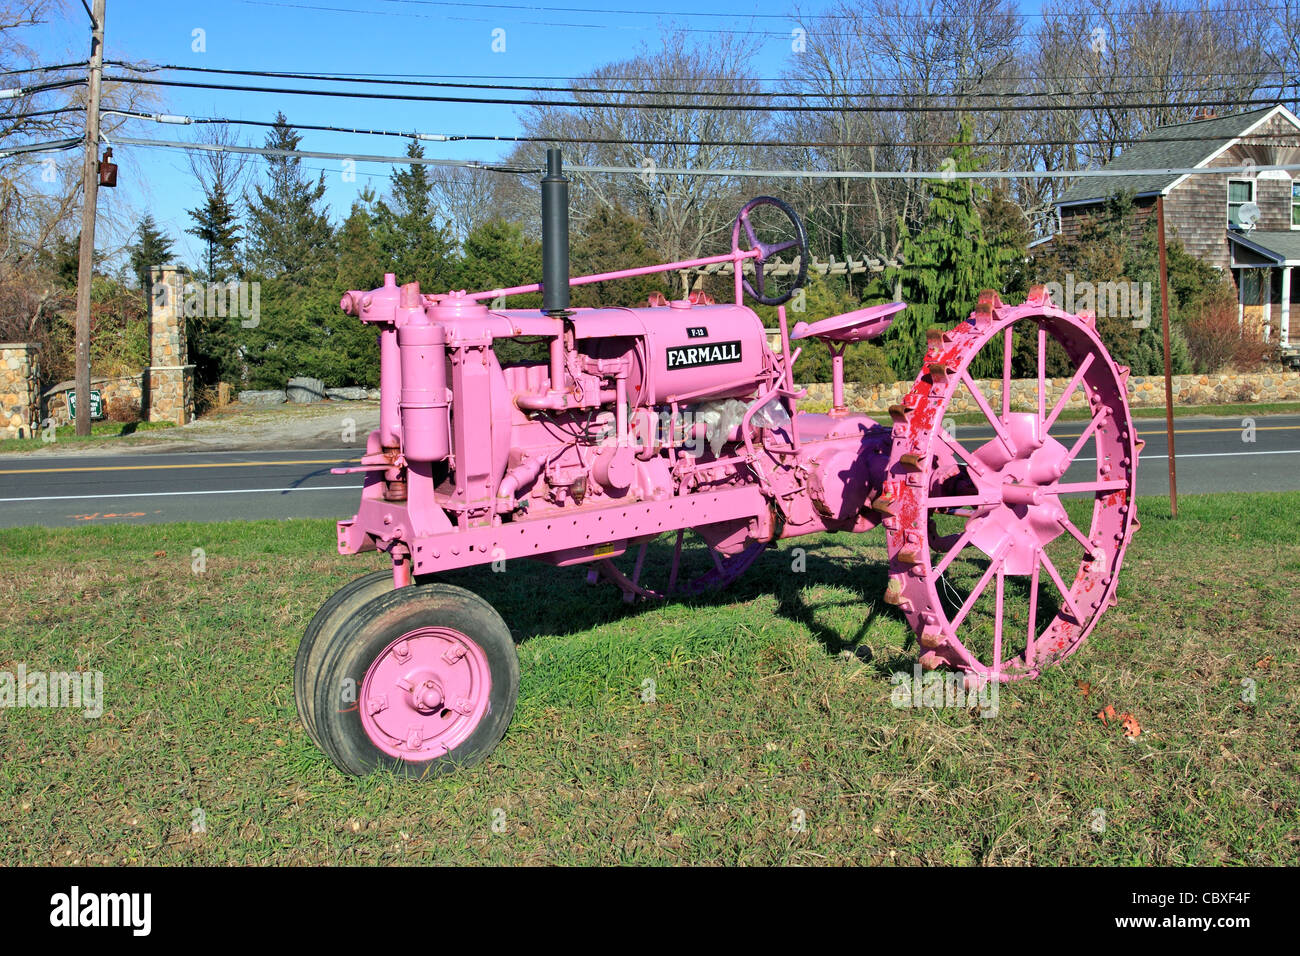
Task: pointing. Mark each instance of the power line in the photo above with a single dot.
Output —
(1260, 138)
(536, 23)
(20, 91)
(769, 79)
(733, 107)
(1254, 10)
(52, 146)
(542, 8)
(42, 69)
(379, 80)
(738, 173)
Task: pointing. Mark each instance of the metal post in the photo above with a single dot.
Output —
(1169, 384)
(90, 183)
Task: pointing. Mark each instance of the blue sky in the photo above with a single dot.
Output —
(403, 37)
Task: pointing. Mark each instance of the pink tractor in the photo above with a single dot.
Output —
(634, 423)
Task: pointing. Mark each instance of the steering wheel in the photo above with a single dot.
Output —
(766, 251)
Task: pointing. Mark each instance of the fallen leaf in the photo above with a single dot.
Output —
(1106, 714)
(1131, 726)
(1085, 688)
(1265, 663)
(160, 554)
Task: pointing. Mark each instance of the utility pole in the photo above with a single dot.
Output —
(1169, 386)
(90, 183)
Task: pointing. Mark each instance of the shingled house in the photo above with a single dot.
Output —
(1203, 211)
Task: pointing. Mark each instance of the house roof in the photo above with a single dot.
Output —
(1279, 247)
(1212, 136)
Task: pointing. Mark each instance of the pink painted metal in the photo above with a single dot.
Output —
(424, 694)
(678, 415)
(1007, 496)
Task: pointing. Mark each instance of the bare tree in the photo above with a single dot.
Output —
(660, 92)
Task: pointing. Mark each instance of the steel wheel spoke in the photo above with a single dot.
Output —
(957, 448)
(1006, 371)
(1068, 525)
(948, 557)
(1042, 377)
(1082, 440)
(1080, 487)
(993, 420)
(994, 560)
(1060, 585)
(997, 623)
(1065, 396)
(1033, 611)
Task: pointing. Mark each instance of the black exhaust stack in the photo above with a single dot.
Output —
(555, 236)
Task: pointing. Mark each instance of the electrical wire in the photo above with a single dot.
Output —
(572, 88)
(724, 107)
(1260, 138)
(640, 171)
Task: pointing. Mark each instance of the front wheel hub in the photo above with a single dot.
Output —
(425, 693)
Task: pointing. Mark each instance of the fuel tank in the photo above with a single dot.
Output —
(680, 351)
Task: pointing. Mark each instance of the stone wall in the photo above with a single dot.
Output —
(122, 389)
(1143, 392)
(19, 402)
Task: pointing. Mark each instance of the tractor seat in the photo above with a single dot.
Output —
(856, 326)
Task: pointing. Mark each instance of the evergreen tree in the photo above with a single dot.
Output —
(152, 247)
(289, 233)
(497, 255)
(217, 227)
(360, 266)
(360, 260)
(291, 254)
(947, 263)
(414, 246)
(612, 239)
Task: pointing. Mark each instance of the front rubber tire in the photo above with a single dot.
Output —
(361, 642)
(344, 603)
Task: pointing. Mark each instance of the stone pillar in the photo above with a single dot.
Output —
(20, 397)
(169, 380)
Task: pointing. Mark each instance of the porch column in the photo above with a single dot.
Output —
(1284, 333)
(1241, 297)
(1268, 301)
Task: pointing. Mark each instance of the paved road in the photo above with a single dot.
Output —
(218, 486)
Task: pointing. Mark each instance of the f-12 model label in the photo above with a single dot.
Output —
(695, 356)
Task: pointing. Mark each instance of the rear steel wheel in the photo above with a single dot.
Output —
(689, 575)
(988, 558)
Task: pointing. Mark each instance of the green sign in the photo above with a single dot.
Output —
(96, 404)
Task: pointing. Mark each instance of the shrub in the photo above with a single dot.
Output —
(1218, 339)
(123, 410)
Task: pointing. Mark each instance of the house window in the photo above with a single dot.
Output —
(1240, 192)
(1295, 205)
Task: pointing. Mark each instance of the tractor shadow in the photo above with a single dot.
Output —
(536, 599)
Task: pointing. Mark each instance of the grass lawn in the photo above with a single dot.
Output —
(772, 707)
(101, 433)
